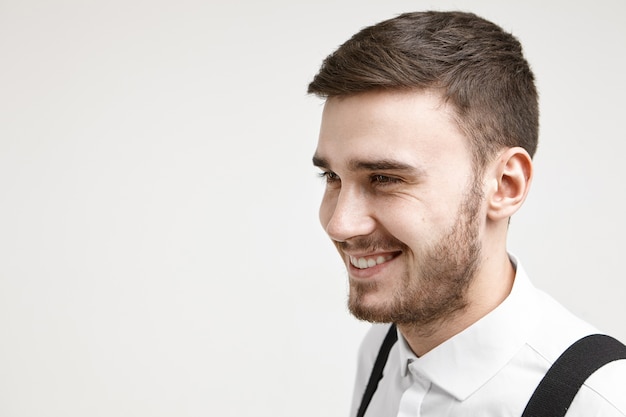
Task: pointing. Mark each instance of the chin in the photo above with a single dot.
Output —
(369, 307)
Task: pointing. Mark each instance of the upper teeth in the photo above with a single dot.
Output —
(363, 263)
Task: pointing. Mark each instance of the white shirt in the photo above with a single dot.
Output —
(491, 368)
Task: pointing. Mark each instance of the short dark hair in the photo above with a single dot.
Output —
(474, 64)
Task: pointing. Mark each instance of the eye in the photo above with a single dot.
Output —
(329, 176)
(380, 179)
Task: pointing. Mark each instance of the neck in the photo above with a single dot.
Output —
(489, 288)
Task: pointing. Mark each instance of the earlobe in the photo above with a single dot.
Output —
(512, 176)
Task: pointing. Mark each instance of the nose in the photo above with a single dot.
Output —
(347, 214)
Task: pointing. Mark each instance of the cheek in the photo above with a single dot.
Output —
(401, 219)
(414, 224)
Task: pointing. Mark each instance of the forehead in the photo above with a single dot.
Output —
(416, 127)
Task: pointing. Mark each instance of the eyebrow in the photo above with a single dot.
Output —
(371, 165)
(320, 162)
(381, 165)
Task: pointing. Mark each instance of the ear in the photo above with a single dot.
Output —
(509, 184)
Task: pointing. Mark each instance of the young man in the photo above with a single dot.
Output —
(426, 143)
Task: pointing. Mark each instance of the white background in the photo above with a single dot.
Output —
(160, 253)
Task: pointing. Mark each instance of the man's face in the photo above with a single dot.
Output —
(401, 204)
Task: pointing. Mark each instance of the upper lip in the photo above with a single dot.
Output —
(371, 254)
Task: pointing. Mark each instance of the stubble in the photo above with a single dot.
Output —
(438, 286)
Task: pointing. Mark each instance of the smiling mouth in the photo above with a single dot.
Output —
(370, 261)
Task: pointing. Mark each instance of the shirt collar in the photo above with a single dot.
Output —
(465, 362)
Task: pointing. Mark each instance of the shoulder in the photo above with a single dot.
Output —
(603, 394)
(557, 330)
(368, 351)
(371, 344)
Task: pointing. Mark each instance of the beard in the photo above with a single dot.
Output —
(438, 285)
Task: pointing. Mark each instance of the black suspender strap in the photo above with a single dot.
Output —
(377, 371)
(559, 386)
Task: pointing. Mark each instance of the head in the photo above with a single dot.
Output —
(427, 133)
